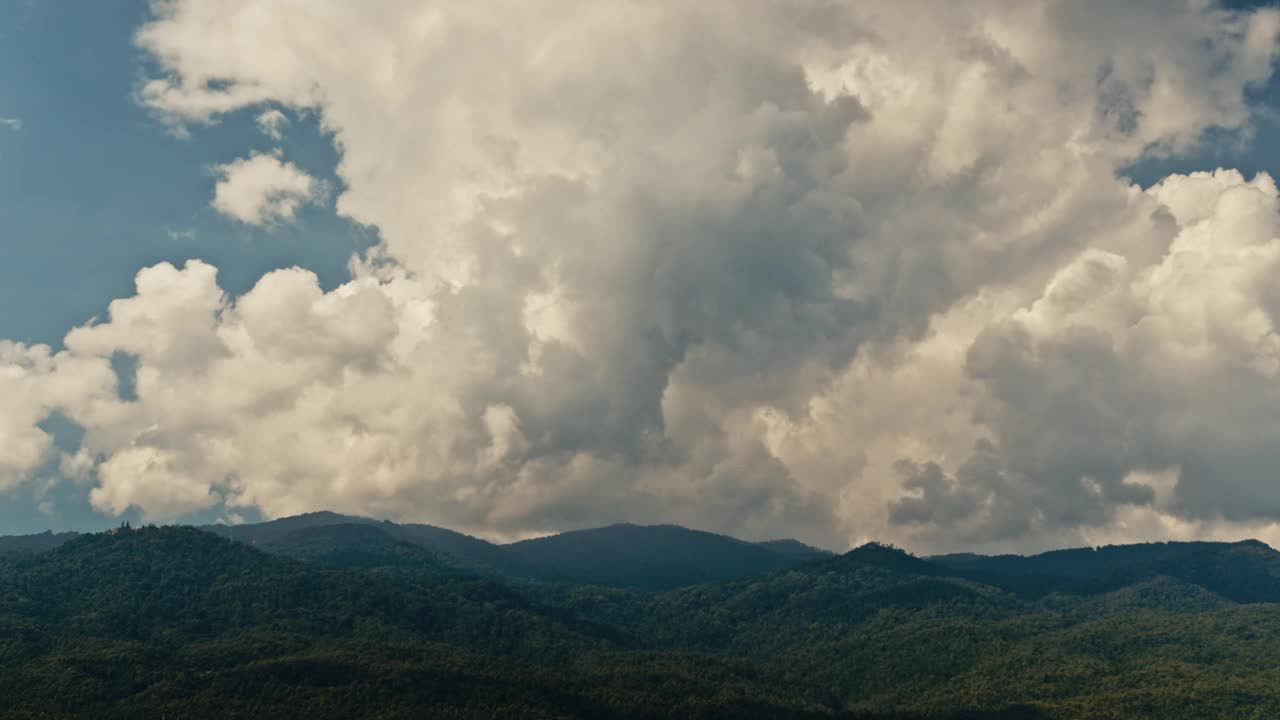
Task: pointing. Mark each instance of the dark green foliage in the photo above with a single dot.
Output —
(654, 557)
(453, 548)
(352, 619)
(354, 545)
(19, 545)
(180, 584)
(1247, 571)
(795, 549)
(883, 631)
(657, 557)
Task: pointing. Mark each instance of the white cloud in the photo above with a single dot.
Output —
(151, 478)
(750, 267)
(1123, 367)
(11, 123)
(36, 382)
(22, 444)
(272, 123)
(262, 189)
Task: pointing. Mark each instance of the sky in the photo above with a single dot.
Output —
(996, 277)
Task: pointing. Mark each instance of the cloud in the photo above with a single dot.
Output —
(152, 478)
(35, 383)
(11, 123)
(835, 271)
(262, 189)
(23, 445)
(1123, 368)
(272, 123)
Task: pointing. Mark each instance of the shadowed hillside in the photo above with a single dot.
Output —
(653, 557)
(656, 557)
(12, 546)
(178, 622)
(329, 616)
(1246, 571)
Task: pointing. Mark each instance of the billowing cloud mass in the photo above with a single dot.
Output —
(829, 270)
(262, 189)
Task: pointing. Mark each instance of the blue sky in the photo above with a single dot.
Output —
(92, 188)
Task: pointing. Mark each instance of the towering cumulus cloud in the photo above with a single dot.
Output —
(826, 269)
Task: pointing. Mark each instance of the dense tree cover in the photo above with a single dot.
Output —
(455, 548)
(888, 632)
(348, 620)
(656, 557)
(12, 546)
(356, 545)
(653, 557)
(1247, 571)
(177, 622)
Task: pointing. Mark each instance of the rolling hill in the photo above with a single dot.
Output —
(12, 546)
(1246, 571)
(176, 622)
(652, 557)
(332, 616)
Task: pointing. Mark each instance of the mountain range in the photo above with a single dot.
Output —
(654, 557)
(326, 615)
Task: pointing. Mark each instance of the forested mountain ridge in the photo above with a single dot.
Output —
(20, 545)
(355, 545)
(451, 547)
(1245, 571)
(332, 616)
(653, 557)
(186, 583)
(664, 557)
(178, 622)
(1093, 561)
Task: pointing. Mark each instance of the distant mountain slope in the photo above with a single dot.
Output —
(455, 547)
(272, 530)
(795, 549)
(890, 558)
(353, 545)
(1246, 571)
(452, 547)
(658, 557)
(18, 545)
(654, 557)
(664, 557)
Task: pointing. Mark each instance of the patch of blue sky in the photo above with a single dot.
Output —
(93, 187)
